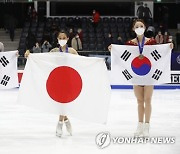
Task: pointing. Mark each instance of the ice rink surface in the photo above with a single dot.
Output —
(25, 130)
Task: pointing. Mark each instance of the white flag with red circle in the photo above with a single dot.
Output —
(66, 84)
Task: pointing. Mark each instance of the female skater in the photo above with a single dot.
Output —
(62, 40)
(142, 93)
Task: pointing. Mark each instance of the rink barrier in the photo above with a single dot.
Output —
(166, 86)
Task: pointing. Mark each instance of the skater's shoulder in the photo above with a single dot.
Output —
(54, 50)
(131, 42)
(73, 51)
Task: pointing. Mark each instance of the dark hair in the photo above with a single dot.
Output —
(138, 20)
(76, 33)
(63, 31)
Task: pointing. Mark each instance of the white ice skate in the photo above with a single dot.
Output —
(146, 129)
(68, 126)
(59, 129)
(139, 130)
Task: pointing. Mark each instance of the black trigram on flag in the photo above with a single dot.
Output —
(155, 55)
(157, 74)
(4, 61)
(5, 80)
(125, 55)
(127, 74)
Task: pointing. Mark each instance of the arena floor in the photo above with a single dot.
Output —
(27, 131)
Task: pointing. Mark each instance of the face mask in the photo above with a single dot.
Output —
(139, 31)
(62, 42)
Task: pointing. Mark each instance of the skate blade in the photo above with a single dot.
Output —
(58, 135)
(70, 133)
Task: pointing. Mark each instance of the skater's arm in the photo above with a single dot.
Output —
(73, 51)
(26, 54)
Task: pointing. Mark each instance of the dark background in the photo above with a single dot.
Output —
(106, 9)
(19, 10)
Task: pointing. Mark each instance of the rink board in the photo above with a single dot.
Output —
(175, 82)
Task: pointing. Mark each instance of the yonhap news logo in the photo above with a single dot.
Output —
(104, 139)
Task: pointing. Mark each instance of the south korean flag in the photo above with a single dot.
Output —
(8, 70)
(129, 68)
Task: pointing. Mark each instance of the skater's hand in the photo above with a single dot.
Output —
(171, 45)
(17, 53)
(26, 53)
(109, 47)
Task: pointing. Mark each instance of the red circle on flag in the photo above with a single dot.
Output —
(64, 84)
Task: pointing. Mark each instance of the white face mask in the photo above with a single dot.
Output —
(62, 42)
(139, 31)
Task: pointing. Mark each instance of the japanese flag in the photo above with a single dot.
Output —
(8, 70)
(128, 68)
(66, 84)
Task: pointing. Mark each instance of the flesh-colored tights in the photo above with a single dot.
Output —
(144, 95)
